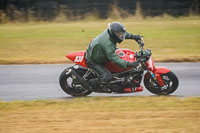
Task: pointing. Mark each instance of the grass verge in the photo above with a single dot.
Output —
(169, 40)
(102, 115)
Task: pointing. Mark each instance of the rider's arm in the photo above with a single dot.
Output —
(109, 50)
(128, 35)
(132, 36)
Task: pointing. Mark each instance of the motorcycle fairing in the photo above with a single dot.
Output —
(78, 58)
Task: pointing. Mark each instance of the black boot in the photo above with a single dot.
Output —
(93, 82)
(99, 86)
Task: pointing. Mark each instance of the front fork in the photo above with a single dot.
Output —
(156, 78)
(155, 75)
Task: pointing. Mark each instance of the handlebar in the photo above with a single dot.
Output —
(143, 55)
(141, 42)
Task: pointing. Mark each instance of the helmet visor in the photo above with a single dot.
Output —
(120, 35)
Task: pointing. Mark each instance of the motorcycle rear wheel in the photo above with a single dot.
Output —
(170, 84)
(72, 87)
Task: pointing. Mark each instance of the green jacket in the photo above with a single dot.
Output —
(102, 49)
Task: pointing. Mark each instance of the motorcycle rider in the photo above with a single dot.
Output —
(102, 49)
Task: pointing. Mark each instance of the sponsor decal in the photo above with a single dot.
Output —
(78, 59)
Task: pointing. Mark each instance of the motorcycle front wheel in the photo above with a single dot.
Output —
(170, 81)
(72, 87)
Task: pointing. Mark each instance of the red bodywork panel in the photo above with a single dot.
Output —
(77, 57)
(125, 54)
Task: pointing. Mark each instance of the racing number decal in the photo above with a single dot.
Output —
(78, 59)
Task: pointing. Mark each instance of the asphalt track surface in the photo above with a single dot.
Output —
(34, 82)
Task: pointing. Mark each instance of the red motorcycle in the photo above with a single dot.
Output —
(158, 80)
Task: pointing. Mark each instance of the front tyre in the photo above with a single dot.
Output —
(170, 81)
(70, 86)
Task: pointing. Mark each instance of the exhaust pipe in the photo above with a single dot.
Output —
(79, 79)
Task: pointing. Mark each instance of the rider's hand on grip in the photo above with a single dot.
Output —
(132, 64)
(136, 37)
(140, 42)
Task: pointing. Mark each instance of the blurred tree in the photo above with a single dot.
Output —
(47, 10)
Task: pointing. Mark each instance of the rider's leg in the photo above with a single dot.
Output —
(105, 76)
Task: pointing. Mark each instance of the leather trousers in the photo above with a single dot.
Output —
(105, 76)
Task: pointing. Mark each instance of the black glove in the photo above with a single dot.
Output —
(132, 64)
(136, 37)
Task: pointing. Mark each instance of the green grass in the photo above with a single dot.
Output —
(176, 39)
(102, 115)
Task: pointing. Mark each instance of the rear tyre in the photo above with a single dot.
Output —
(170, 84)
(70, 86)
